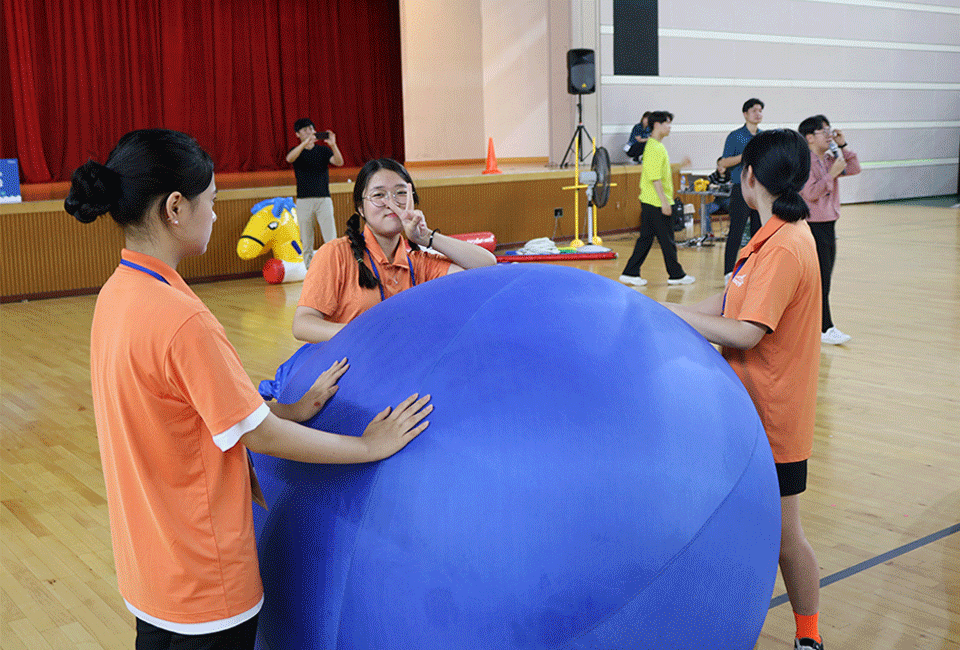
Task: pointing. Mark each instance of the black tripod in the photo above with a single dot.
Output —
(578, 133)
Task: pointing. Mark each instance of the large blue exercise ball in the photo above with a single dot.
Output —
(594, 476)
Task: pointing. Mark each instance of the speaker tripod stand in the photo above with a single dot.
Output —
(578, 134)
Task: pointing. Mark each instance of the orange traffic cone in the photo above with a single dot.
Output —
(491, 160)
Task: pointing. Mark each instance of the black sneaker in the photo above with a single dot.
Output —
(805, 642)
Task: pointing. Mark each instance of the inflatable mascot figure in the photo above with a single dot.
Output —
(274, 226)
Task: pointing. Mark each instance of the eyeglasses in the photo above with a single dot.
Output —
(379, 198)
(826, 130)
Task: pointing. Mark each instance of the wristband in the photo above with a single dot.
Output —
(432, 233)
(842, 145)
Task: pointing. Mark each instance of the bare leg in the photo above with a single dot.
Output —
(798, 563)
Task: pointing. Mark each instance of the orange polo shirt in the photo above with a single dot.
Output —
(332, 283)
(171, 401)
(777, 284)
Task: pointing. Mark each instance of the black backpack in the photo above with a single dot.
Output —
(678, 217)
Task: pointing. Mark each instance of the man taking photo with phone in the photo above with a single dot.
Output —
(311, 160)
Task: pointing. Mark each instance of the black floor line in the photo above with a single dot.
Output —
(872, 562)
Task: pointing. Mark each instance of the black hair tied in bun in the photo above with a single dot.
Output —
(94, 191)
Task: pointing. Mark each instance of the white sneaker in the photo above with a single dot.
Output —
(634, 280)
(687, 279)
(833, 336)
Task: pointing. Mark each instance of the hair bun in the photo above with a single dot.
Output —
(94, 190)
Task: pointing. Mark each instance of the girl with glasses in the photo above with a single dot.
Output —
(353, 273)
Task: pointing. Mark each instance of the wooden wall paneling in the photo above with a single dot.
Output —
(52, 254)
(42, 252)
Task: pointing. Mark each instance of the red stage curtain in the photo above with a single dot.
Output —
(235, 74)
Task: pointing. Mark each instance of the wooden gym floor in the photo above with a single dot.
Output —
(881, 511)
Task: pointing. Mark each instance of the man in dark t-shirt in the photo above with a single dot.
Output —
(311, 162)
(741, 216)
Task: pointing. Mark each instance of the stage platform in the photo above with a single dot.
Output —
(47, 253)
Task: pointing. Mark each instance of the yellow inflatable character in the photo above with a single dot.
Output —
(274, 226)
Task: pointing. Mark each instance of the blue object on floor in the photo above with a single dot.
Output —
(594, 476)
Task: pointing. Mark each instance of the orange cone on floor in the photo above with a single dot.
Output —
(491, 160)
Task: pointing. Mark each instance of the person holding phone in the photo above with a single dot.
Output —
(829, 160)
(311, 161)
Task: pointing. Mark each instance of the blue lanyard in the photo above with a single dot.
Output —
(723, 309)
(145, 270)
(413, 277)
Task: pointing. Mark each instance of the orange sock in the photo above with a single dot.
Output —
(807, 627)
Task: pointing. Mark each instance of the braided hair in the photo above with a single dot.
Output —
(358, 245)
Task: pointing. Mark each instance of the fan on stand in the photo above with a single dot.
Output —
(596, 182)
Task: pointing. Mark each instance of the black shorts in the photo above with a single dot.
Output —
(792, 477)
(150, 637)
